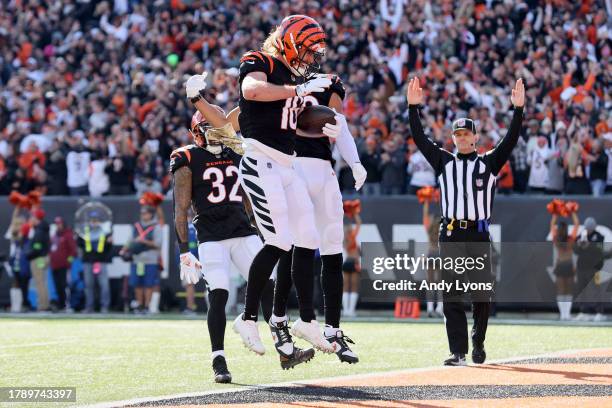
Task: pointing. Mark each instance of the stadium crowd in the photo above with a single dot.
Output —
(92, 98)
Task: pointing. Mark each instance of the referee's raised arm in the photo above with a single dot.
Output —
(430, 150)
(501, 153)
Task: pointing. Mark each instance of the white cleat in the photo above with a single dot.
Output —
(599, 317)
(311, 332)
(249, 333)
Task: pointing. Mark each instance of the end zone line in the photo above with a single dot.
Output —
(321, 381)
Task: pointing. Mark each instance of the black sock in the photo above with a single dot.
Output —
(303, 277)
(259, 274)
(283, 284)
(266, 300)
(331, 282)
(217, 299)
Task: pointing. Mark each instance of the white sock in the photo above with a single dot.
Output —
(217, 353)
(560, 306)
(353, 301)
(568, 305)
(16, 300)
(430, 307)
(329, 331)
(278, 319)
(345, 302)
(154, 303)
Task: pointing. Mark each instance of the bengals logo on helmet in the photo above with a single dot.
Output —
(301, 41)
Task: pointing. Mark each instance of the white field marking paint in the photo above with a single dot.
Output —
(321, 381)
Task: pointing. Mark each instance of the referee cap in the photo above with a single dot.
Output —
(464, 123)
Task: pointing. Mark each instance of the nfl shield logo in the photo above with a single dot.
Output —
(479, 183)
(461, 122)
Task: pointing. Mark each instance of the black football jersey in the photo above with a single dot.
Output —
(271, 123)
(319, 148)
(215, 192)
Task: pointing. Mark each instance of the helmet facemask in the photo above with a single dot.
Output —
(309, 59)
(200, 137)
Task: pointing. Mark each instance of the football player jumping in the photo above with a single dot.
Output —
(272, 90)
(206, 177)
(314, 166)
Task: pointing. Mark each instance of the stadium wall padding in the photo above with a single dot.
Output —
(520, 219)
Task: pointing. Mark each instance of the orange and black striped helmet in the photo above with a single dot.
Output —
(301, 41)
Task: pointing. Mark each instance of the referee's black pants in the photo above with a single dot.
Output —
(466, 244)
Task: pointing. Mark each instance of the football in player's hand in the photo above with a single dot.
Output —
(311, 120)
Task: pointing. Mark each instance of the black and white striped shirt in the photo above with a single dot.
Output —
(467, 181)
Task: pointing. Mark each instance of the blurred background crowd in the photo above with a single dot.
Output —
(92, 100)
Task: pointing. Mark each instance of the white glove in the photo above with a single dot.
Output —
(333, 131)
(195, 84)
(191, 268)
(359, 174)
(319, 84)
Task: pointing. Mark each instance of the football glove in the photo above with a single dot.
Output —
(195, 84)
(319, 84)
(359, 174)
(191, 268)
(333, 131)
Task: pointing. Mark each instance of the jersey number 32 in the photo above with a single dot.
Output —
(219, 191)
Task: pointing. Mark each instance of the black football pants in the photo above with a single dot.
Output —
(466, 244)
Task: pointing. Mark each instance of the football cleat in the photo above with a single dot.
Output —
(247, 329)
(222, 374)
(311, 332)
(343, 351)
(455, 359)
(289, 354)
(479, 355)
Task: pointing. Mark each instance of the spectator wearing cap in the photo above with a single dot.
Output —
(63, 250)
(38, 255)
(96, 251)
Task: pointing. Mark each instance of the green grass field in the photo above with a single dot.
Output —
(117, 359)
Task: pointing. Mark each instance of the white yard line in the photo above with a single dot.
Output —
(322, 381)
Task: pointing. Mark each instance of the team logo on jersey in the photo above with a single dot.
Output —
(479, 182)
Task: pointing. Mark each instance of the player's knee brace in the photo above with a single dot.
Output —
(217, 299)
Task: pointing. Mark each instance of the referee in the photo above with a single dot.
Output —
(467, 186)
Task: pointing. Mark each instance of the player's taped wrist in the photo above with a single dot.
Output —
(184, 247)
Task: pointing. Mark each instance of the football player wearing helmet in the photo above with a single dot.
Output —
(206, 177)
(272, 90)
(314, 165)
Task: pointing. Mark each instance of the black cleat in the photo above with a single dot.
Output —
(479, 355)
(299, 356)
(342, 349)
(455, 359)
(222, 374)
(289, 354)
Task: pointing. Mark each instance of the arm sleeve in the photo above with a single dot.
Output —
(498, 156)
(430, 150)
(347, 148)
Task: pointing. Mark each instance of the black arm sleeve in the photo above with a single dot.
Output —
(430, 150)
(498, 156)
